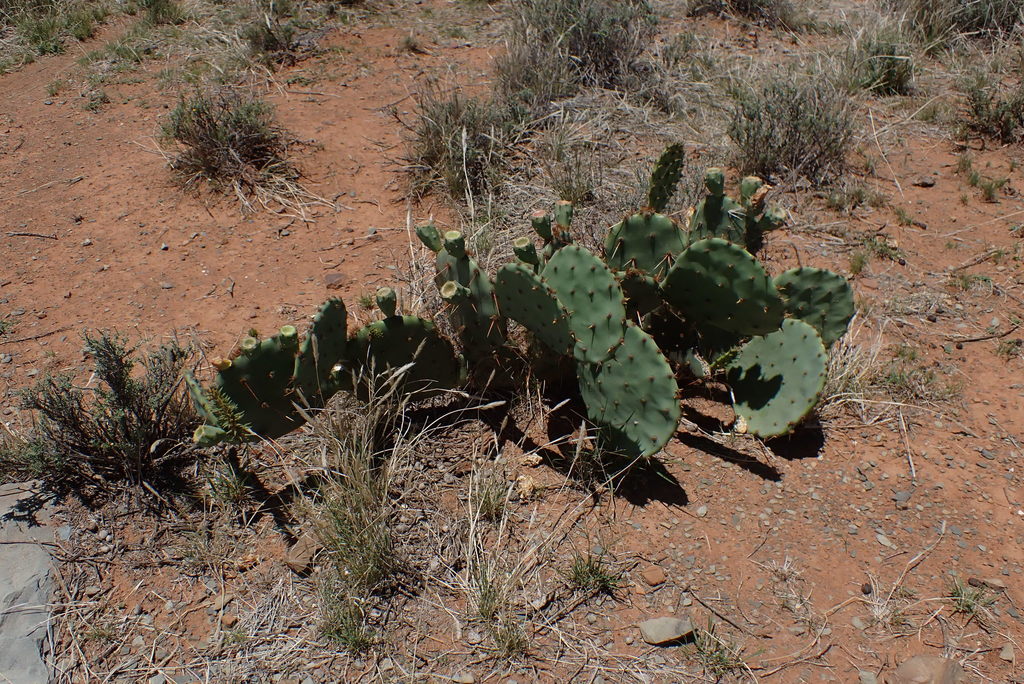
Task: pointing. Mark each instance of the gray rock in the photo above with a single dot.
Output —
(867, 677)
(1006, 653)
(25, 584)
(928, 669)
(665, 630)
(464, 678)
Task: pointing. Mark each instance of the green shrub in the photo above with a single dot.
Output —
(227, 139)
(994, 111)
(270, 41)
(556, 46)
(162, 11)
(128, 427)
(882, 63)
(43, 33)
(769, 12)
(795, 126)
(458, 142)
(940, 21)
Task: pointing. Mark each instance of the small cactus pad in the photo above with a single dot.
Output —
(258, 383)
(590, 294)
(642, 292)
(716, 282)
(714, 180)
(647, 242)
(525, 297)
(632, 396)
(776, 379)
(720, 216)
(398, 340)
(525, 251)
(387, 301)
(429, 236)
(323, 348)
(665, 177)
(541, 222)
(819, 297)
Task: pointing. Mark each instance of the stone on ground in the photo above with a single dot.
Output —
(665, 630)
(24, 585)
(928, 669)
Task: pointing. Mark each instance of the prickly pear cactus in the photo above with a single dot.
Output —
(718, 215)
(776, 379)
(647, 242)
(743, 222)
(665, 177)
(819, 297)
(255, 394)
(396, 341)
(642, 292)
(715, 282)
(632, 396)
(474, 314)
(591, 296)
(525, 297)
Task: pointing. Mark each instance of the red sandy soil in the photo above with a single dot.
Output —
(127, 249)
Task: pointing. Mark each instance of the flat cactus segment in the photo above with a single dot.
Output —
(591, 295)
(429, 236)
(632, 397)
(258, 383)
(819, 297)
(204, 407)
(742, 222)
(776, 379)
(665, 177)
(716, 282)
(642, 292)
(525, 251)
(647, 242)
(524, 297)
(324, 348)
(396, 341)
(387, 301)
(720, 216)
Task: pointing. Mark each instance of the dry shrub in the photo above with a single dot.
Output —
(794, 126)
(557, 46)
(232, 142)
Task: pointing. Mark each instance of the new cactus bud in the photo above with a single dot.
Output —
(525, 251)
(429, 236)
(387, 300)
(541, 222)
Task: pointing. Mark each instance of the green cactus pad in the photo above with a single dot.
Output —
(541, 222)
(396, 341)
(590, 294)
(819, 297)
(204, 407)
(258, 382)
(387, 301)
(324, 348)
(776, 379)
(720, 216)
(525, 251)
(665, 177)
(647, 242)
(632, 396)
(429, 236)
(716, 282)
(642, 292)
(526, 298)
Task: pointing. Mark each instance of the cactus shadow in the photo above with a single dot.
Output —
(806, 441)
(638, 481)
